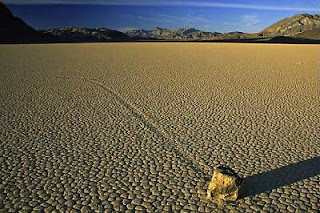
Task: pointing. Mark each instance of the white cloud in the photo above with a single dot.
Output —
(165, 2)
(187, 18)
(250, 20)
(124, 29)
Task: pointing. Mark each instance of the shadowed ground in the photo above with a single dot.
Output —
(277, 178)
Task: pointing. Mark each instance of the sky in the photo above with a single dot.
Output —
(207, 15)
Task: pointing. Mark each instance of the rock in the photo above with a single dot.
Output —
(225, 185)
(137, 201)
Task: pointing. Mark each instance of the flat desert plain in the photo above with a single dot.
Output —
(135, 127)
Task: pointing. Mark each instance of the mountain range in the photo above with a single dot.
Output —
(164, 33)
(299, 28)
(77, 34)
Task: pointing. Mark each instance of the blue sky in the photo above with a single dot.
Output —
(214, 15)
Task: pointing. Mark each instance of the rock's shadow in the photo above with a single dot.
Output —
(283, 176)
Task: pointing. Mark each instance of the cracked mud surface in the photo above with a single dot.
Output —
(139, 126)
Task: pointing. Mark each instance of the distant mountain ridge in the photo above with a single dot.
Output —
(300, 26)
(298, 29)
(183, 34)
(78, 34)
(164, 33)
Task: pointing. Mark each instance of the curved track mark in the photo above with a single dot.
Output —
(177, 146)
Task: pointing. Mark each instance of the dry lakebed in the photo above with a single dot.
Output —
(139, 127)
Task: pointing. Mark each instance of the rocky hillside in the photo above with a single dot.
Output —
(310, 34)
(15, 30)
(292, 26)
(78, 34)
(171, 34)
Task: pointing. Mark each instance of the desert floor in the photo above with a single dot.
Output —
(140, 126)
